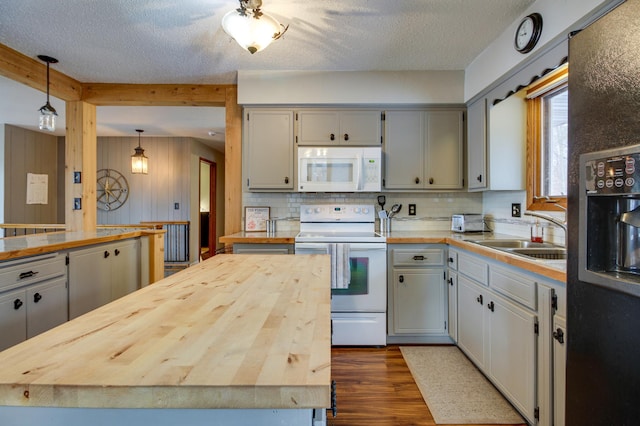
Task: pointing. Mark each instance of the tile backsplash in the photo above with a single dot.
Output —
(433, 210)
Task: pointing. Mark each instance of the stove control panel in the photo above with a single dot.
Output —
(337, 213)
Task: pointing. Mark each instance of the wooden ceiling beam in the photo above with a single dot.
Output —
(33, 73)
(116, 94)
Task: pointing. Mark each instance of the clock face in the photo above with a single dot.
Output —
(112, 189)
(528, 33)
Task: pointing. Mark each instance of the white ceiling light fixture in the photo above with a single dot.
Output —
(48, 113)
(253, 29)
(139, 162)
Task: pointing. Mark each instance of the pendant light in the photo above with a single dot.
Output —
(48, 113)
(251, 27)
(139, 163)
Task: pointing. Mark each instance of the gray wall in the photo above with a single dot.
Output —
(25, 152)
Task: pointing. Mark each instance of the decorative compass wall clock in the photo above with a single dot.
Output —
(112, 189)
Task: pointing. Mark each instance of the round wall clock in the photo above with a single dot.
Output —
(112, 189)
(528, 33)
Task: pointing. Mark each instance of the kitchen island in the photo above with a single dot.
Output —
(232, 339)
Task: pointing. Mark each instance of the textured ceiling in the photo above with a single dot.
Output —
(161, 41)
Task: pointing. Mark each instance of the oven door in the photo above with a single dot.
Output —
(367, 290)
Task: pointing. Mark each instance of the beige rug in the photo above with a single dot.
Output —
(453, 388)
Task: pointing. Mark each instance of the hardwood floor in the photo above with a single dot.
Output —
(374, 387)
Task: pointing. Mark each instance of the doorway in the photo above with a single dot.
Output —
(207, 209)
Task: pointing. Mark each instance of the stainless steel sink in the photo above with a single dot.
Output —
(526, 248)
(513, 244)
(541, 253)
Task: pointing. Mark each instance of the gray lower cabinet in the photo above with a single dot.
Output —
(33, 297)
(263, 248)
(417, 294)
(505, 319)
(102, 273)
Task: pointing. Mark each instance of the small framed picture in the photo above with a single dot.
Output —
(255, 219)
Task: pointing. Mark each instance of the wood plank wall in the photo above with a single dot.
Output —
(20, 147)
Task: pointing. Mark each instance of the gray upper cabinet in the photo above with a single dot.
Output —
(339, 127)
(477, 145)
(424, 149)
(269, 149)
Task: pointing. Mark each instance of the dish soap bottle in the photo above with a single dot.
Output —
(537, 233)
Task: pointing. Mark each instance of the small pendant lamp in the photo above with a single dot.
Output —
(48, 113)
(139, 163)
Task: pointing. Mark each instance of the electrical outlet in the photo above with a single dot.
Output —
(77, 203)
(412, 209)
(77, 177)
(516, 210)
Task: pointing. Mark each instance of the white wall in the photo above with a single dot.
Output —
(559, 18)
(350, 87)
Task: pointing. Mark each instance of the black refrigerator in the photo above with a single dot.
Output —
(603, 286)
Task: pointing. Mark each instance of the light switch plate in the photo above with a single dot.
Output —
(412, 209)
(77, 177)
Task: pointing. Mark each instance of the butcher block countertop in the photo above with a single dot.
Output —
(234, 331)
(30, 245)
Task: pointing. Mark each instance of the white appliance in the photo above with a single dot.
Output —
(359, 269)
(339, 169)
(468, 222)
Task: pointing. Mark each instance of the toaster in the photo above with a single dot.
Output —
(469, 222)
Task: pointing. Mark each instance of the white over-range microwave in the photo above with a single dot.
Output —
(339, 169)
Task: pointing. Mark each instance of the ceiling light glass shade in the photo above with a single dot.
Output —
(139, 162)
(252, 32)
(47, 118)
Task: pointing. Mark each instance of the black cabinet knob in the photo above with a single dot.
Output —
(559, 335)
(479, 299)
(286, 179)
(401, 278)
(17, 303)
(451, 260)
(479, 178)
(450, 281)
(37, 297)
(417, 180)
(430, 181)
(490, 306)
(117, 252)
(332, 137)
(346, 137)
(106, 254)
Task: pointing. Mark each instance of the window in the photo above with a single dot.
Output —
(547, 142)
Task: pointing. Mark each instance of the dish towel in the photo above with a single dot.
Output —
(340, 266)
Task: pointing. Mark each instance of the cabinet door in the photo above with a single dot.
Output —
(477, 145)
(452, 290)
(318, 128)
(125, 268)
(360, 128)
(89, 280)
(13, 318)
(419, 301)
(443, 162)
(46, 306)
(404, 150)
(269, 149)
(559, 369)
(471, 307)
(512, 364)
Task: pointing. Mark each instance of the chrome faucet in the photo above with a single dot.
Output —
(551, 219)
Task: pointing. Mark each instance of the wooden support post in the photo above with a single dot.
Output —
(80, 155)
(233, 163)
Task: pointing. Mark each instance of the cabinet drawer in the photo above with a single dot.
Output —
(25, 271)
(407, 257)
(452, 260)
(474, 268)
(513, 285)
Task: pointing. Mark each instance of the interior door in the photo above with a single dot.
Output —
(207, 225)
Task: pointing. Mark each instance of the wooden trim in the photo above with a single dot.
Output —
(154, 94)
(534, 145)
(33, 73)
(233, 164)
